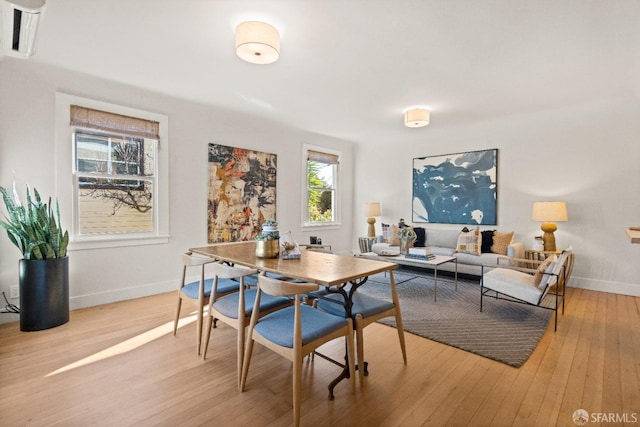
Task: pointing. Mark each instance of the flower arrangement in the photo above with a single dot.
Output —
(407, 233)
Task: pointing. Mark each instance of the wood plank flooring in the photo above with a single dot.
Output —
(120, 365)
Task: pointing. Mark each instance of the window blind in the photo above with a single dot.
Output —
(111, 122)
(317, 156)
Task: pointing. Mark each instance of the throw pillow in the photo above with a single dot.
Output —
(421, 237)
(545, 267)
(487, 241)
(501, 242)
(394, 240)
(469, 242)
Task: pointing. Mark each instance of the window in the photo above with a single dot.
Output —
(112, 173)
(115, 183)
(321, 187)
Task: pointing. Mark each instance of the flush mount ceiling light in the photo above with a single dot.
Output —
(416, 118)
(257, 42)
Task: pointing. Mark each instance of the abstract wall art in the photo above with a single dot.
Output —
(458, 188)
(242, 192)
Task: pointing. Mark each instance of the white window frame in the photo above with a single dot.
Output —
(336, 223)
(66, 181)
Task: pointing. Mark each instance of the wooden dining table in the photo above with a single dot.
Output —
(334, 272)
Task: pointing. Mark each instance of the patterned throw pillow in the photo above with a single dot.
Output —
(546, 266)
(469, 242)
(501, 242)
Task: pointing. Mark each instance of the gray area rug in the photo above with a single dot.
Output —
(505, 331)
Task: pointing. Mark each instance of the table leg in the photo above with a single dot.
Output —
(456, 275)
(435, 282)
(348, 303)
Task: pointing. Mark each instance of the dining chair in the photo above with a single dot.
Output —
(364, 311)
(199, 291)
(235, 309)
(295, 332)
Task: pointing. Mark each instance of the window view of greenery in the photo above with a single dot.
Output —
(321, 190)
(115, 182)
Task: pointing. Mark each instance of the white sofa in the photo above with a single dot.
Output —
(444, 242)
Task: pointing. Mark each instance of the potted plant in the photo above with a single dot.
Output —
(268, 241)
(407, 236)
(44, 270)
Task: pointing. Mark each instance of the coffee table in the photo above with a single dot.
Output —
(421, 263)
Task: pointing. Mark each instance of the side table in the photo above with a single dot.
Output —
(538, 255)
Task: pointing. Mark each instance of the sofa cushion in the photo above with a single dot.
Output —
(472, 259)
(442, 238)
(501, 242)
(487, 241)
(439, 250)
(469, 242)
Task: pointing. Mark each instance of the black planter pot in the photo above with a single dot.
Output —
(44, 293)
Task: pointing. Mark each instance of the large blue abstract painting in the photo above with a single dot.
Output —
(456, 188)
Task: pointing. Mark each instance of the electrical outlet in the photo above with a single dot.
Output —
(14, 292)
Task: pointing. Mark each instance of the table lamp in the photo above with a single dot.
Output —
(370, 210)
(548, 212)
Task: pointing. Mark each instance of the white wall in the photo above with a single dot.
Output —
(587, 155)
(98, 276)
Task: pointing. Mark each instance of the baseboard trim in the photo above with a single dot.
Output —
(605, 286)
(122, 294)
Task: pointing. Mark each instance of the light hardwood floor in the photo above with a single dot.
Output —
(120, 365)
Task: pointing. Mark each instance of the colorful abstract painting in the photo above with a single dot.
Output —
(456, 188)
(242, 193)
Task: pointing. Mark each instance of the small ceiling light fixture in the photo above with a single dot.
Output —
(257, 42)
(416, 117)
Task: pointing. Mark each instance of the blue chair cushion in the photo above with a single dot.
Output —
(277, 327)
(224, 286)
(228, 304)
(362, 304)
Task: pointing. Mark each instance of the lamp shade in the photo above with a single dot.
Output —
(416, 118)
(371, 209)
(257, 42)
(549, 211)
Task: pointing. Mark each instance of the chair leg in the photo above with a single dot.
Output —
(175, 323)
(199, 329)
(297, 389)
(400, 329)
(240, 351)
(206, 337)
(246, 362)
(351, 357)
(360, 348)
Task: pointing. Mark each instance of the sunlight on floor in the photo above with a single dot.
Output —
(128, 345)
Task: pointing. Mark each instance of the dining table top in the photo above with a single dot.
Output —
(323, 268)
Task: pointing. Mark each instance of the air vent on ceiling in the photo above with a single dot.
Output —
(20, 20)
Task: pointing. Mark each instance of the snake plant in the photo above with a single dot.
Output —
(34, 228)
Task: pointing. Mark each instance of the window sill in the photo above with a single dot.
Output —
(111, 242)
(311, 227)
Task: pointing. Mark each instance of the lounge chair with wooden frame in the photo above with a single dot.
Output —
(526, 285)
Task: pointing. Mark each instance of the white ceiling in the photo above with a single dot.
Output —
(349, 68)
